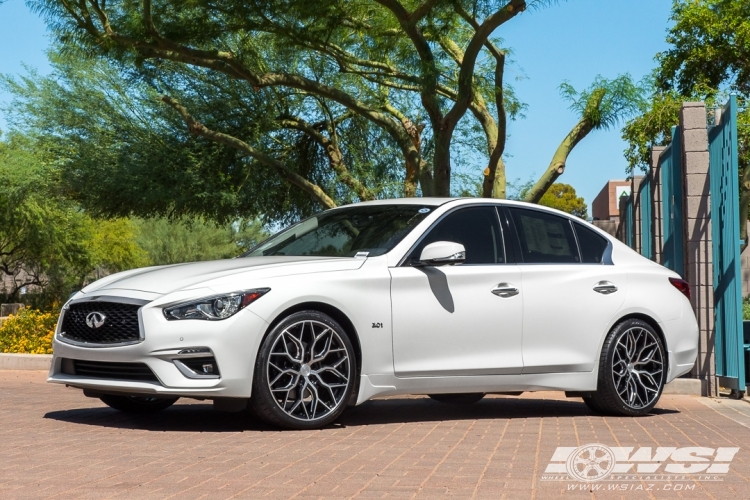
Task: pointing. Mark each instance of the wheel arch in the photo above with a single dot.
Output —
(648, 319)
(652, 323)
(337, 314)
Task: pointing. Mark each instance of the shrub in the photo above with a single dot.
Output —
(30, 331)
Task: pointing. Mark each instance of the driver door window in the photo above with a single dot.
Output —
(476, 228)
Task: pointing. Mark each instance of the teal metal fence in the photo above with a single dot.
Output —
(671, 172)
(723, 171)
(647, 232)
(628, 226)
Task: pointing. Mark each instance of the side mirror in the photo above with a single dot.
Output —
(443, 253)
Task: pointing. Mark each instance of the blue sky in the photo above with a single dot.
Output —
(573, 40)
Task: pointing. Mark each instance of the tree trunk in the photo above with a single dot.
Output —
(557, 165)
(500, 184)
(442, 162)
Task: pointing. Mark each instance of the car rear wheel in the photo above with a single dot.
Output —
(137, 404)
(458, 399)
(632, 370)
(305, 372)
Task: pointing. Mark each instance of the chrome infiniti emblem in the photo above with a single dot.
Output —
(95, 319)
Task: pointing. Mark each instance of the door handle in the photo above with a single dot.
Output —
(605, 287)
(505, 290)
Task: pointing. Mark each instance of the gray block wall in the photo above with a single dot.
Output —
(698, 252)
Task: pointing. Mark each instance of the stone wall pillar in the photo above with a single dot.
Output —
(698, 251)
(657, 225)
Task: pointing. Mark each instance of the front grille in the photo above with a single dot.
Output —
(120, 323)
(108, 370)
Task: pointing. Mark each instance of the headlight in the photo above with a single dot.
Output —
(215, 307)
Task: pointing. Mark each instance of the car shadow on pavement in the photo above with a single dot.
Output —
(200, 417)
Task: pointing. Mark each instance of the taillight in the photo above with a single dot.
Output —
(681, 285)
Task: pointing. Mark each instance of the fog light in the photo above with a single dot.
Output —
(209, 368)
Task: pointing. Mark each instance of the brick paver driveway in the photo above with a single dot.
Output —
(54, 442)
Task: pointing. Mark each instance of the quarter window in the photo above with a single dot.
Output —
(544, 238)
(476, 228)
(592, 245)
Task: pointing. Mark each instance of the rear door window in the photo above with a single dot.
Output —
(592, 245)
(544, 238)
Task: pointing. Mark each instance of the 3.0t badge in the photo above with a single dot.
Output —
(95, 319)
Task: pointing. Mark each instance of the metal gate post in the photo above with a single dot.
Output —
(727, 283)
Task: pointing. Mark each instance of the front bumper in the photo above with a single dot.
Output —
(234, 343)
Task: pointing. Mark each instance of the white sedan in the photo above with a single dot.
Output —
(454, 298)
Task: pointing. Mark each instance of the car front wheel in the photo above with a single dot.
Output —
(305, 372)
(632, 370)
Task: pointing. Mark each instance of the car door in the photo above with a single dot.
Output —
(571, 293)
(463, 319)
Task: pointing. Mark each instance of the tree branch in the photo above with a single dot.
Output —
(466, 74)
(197, 128)
(335, 158)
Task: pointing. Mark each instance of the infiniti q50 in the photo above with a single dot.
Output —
(452, 298)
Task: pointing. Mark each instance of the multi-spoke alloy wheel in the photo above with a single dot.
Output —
(632, 370)
(638, 367)
(305, 372)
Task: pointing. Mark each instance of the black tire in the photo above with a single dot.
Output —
(307, 394)
(137, 404)
(630, 384)
(592, 405)
(458, 399)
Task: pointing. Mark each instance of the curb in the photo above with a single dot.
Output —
(685, 386)
(9, 361)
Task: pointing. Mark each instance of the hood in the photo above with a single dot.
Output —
(167, 279)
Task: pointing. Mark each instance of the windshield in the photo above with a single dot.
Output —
(346, 232)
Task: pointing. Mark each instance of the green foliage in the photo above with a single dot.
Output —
(606, 102)
(122, 152)
(30, 331)
(651, 128)
(45, 240)
(357, 71)
(42, 238)
(186, 240)
(706, 60)
(518, 189)
(746, 308)
(563, 197)
(709, 47)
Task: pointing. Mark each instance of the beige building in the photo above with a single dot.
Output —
(606, 204)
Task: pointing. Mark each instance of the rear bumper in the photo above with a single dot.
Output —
(682, 343)
(234, 343)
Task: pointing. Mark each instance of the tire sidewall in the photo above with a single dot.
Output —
(263, 401)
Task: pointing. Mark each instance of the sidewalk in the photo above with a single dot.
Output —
(57, 443)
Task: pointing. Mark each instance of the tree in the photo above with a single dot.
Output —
(563, 197)
(122, 153)
(172, 242)
(288, 77)
(45, 241)
(707, 58)
(601, 106)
